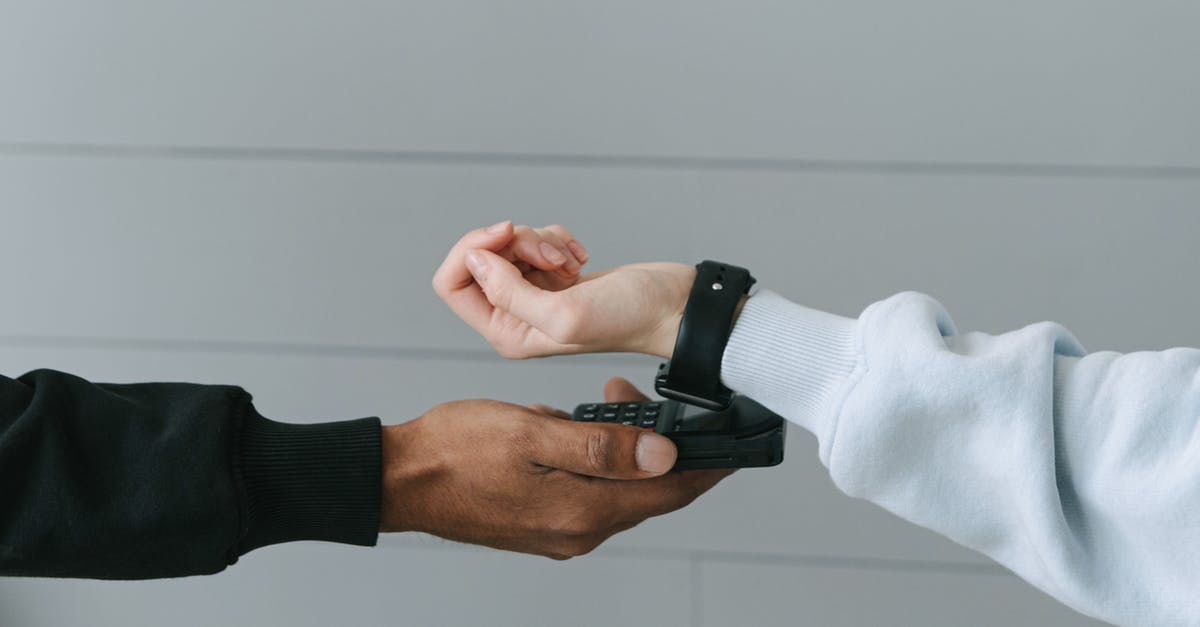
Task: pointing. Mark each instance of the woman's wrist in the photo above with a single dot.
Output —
(662, 340)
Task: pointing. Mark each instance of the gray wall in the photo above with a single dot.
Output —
(258, 193)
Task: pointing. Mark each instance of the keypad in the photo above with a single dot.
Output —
(642, 415)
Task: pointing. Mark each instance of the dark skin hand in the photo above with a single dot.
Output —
(527, 479)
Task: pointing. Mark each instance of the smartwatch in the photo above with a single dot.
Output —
(693, 375)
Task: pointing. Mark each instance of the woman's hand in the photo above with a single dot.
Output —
(509, 284)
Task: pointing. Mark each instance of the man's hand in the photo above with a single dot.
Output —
(500, 281)
(526, 479)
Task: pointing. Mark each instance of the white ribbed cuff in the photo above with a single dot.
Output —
(791, 359)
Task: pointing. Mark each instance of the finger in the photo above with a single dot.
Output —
(456, 286)
(549, 411)
(541, 252)
(626, 526)
(596, 539)
(453, 273)
(623, 502)
(638, 500)
(556, 281)
(571, 265)
(608, 451)
(573, 244)
(586, 543)
(507, 289)
(619, 390)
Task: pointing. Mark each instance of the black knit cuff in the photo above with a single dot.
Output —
(310, 481)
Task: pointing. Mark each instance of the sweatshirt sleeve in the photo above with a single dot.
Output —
(1079, 472)
(169, 479)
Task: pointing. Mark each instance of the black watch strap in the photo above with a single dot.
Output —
(693, 375)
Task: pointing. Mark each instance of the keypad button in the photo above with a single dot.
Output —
(650, 413)
(588, 416)
(610, 415)
(612, 407)
(632, 407)
(627, 422)
(591, 408)
(648, 422)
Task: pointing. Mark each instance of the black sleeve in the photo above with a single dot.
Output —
(169, 479)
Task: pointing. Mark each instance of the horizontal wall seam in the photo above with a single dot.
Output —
(613, 161)
(252, 347)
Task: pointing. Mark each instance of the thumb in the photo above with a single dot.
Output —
(508, 290)
(619, 390)
(603, 450)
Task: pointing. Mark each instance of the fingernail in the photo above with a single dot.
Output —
(497, 227)
(578, 250)
(551, 253)
(654, 453)
(571, 266)
(477, 265)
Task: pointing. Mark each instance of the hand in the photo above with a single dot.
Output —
(524, 479)
(499, 281)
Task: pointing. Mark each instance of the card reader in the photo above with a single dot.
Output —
(743, 435)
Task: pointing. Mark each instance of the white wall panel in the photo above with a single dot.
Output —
(342, 254)
(1067, 81)
(258, 192)
(318, 585)
(769, 595)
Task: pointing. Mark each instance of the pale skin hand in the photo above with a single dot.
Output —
(525, 304)
(527, 479)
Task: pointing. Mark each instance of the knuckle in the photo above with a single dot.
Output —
(520, 436)
(579, 523)
(530, 251)
(683, 500)
(439, 283)
(509, 350)
(550, 235)
(581, 547)
(601, 450)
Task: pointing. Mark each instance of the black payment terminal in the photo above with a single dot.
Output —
(743, 435)
(712, 427)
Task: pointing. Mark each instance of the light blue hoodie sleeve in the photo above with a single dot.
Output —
(1079, 472)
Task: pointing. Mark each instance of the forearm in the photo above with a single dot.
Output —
(1077, 472)
(162, 480)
